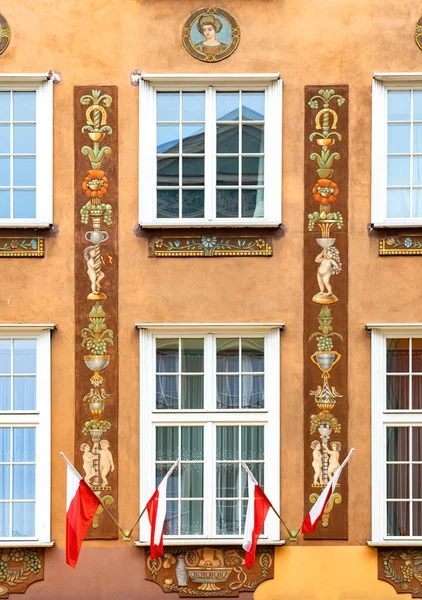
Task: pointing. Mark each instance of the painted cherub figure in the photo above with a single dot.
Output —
(329, 264)
(88, 462)
(334, 455)
(106, 460)
(317, 462)
(95, 279)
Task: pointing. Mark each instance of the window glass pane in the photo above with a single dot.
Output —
(167, 139)
(193, 171)
(193, 106)
(417, 481)
(398, 106)
(167, 355)
(397, 355)
(417, 106)
(192, 443)
(398, 518)
(253, 106)
(227, 517)
(253, 203)
(24, 444)
(417, 170)
(417, 137)
(4, 106)
(24, 482)
(24, 204)
(167, 171)
(4, 482)
(417, 518)
(192, 392)
(417, 355)
(253, 442)
(252, 391)
(4, 204)
(227, 106)
(228, 139)
(397, 392)
(167, 204)
(161, 471)
(227, 355)
(193, 139)
(192, 485)
(398, 139)
(24, 393)
(4, 139)
(4, 171)
(167, 392)
(227, 203)
(191, 517)
(4, 444)
(417, 392)
(252, 355)
(24, 104)
(167, 443)
(398, 170)
(193, 204)
(252, 138)
(4, 519)
(398, 203)
(24, 171)
(227, 391)
(192, 355)
(24, 140)
(25, 356)
(397, 481)
(5, 356)
(168, 106)
(227, 480)
(5, 393)
(228, 173)
(171, 522)
(417, 443)
(253, 170)
(23, 519)
(227, 442)
(397, 443)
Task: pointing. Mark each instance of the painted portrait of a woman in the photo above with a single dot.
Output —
(209, 26)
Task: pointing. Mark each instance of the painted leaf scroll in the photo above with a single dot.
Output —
(96, 309)
(325, 302)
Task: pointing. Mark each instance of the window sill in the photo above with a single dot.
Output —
(202, 224)
(394, 223)
(25, 544)
(210, 542)
(395, 543)
(30, 224)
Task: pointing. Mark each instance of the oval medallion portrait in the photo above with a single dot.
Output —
(418, 33)
(4, 34)
(210, 34)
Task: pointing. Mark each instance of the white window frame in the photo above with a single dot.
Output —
(381, 84)
(43, 87)
(381, 418)
(148, 86)
(41, 419)
(269, 417)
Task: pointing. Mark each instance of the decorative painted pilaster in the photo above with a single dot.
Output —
(96, 300)
(325, 302)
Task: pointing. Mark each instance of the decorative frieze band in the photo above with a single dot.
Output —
(211, 245)
(408, 244)
(21, 247)
(19, 567)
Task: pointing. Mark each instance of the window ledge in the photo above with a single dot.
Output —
(209, 224)
(210, 542)
(394, 543)
(394, 223)
(25, 544)
(30, 224)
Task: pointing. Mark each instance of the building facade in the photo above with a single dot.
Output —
(211, 219)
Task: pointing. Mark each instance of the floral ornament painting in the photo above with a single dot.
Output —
(210, 34)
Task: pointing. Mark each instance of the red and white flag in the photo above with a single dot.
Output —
(81, 507)
(316, 512)
(258, 506)
(156, 508)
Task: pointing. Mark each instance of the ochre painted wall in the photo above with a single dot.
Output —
(325, 43)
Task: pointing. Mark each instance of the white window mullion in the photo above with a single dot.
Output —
(210, 161)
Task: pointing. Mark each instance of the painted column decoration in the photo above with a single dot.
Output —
(96, 308)
(325, 302)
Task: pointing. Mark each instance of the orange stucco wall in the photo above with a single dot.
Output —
(308, 43)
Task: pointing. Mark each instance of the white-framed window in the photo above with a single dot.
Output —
(396, 433)
(26, 150)
(397, 150)
(210, 150)
(209, 398)
(25, 428)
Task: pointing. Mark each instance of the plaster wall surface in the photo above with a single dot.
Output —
(308, 43)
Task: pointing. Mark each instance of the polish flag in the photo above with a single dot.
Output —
(316, 512)
(81, 507)
(258, 506)
(156, 508)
